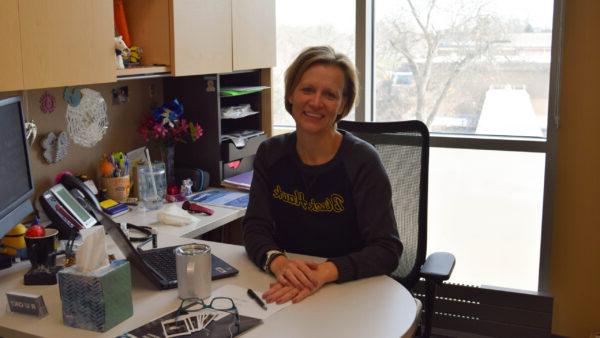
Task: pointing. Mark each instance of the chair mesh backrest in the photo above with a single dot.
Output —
(404, 151)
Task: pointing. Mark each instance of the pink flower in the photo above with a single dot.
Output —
(179, 130)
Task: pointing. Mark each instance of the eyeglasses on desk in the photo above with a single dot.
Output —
(223, 304)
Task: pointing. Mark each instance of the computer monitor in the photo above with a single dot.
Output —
(16, 183)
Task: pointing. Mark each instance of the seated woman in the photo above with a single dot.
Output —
(319, 191)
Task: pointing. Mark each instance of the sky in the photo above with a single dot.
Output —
(342, 12)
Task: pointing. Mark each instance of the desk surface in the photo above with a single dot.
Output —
(373, 307)
(205, 223)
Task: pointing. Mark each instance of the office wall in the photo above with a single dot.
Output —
(575, 260)
(121, 134)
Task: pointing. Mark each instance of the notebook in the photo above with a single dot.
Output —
(241, 181)
(158, 265)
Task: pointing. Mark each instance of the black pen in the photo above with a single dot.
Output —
(257, 299)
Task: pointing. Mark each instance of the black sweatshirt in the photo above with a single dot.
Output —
(341, 210)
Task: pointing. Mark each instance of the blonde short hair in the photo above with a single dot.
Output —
(323, 55)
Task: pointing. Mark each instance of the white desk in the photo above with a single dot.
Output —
(220, 217)
(373, 307)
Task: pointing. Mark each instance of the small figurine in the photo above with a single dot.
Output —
(13, 243)
(135, 56)
(121, 51)
(186, 187)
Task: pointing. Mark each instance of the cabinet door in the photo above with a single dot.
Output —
(67, 42)
(253, 34)
(201, 37)
(149, 24)
(10, 58)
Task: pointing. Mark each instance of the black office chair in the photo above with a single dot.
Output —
(404, 151)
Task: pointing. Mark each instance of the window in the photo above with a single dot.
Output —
(473, 68)
(485, 206)
(463, 66)
(301, 24)
(479, 74)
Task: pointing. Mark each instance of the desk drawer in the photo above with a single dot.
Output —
(237, 167)
(229, 152)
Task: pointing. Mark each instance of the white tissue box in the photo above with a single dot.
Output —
(96, 300)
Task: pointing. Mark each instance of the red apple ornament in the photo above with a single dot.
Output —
(172, 189)
(36, 231)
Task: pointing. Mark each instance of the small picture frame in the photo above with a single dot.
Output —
(120, 95)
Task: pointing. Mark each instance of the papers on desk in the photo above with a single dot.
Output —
(222, 197)
(214, 323)
(241, 181)
(246, 306)
(203, 323)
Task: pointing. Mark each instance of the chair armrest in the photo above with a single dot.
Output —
(438, 266)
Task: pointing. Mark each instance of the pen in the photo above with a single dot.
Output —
(257, 299)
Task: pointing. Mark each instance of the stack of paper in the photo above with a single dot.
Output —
(236, 91)
(241, 181)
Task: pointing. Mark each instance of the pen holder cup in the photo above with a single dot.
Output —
(117, 188)
(96, 300)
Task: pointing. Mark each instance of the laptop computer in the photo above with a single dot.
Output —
(158, 265)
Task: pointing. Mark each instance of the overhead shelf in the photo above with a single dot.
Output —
(143, 71)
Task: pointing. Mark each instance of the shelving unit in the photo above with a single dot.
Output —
(202, 102)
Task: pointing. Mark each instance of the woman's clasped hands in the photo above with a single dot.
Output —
(297, 279)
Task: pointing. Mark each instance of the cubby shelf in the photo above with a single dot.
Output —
(200, 95)
(143, 70)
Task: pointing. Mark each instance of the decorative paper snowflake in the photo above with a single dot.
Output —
(47, 103)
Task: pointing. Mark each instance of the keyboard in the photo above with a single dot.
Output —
(162, 260)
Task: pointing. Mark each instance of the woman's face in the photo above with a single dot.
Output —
(318, 98)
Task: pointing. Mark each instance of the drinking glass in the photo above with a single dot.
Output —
(152, 185)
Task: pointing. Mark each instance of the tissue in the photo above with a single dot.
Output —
(91, 255)
(174, 215)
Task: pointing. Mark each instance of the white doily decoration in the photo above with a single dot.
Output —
(87, 123)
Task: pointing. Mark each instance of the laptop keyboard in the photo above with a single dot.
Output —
(162, 260)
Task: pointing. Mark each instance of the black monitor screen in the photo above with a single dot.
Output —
(15, 179)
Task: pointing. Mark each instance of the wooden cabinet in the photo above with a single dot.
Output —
(66, 42)
(54, 43)
(203, 100)
(253, 37)
(194, 37)
(201, 37)
(10, 58)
